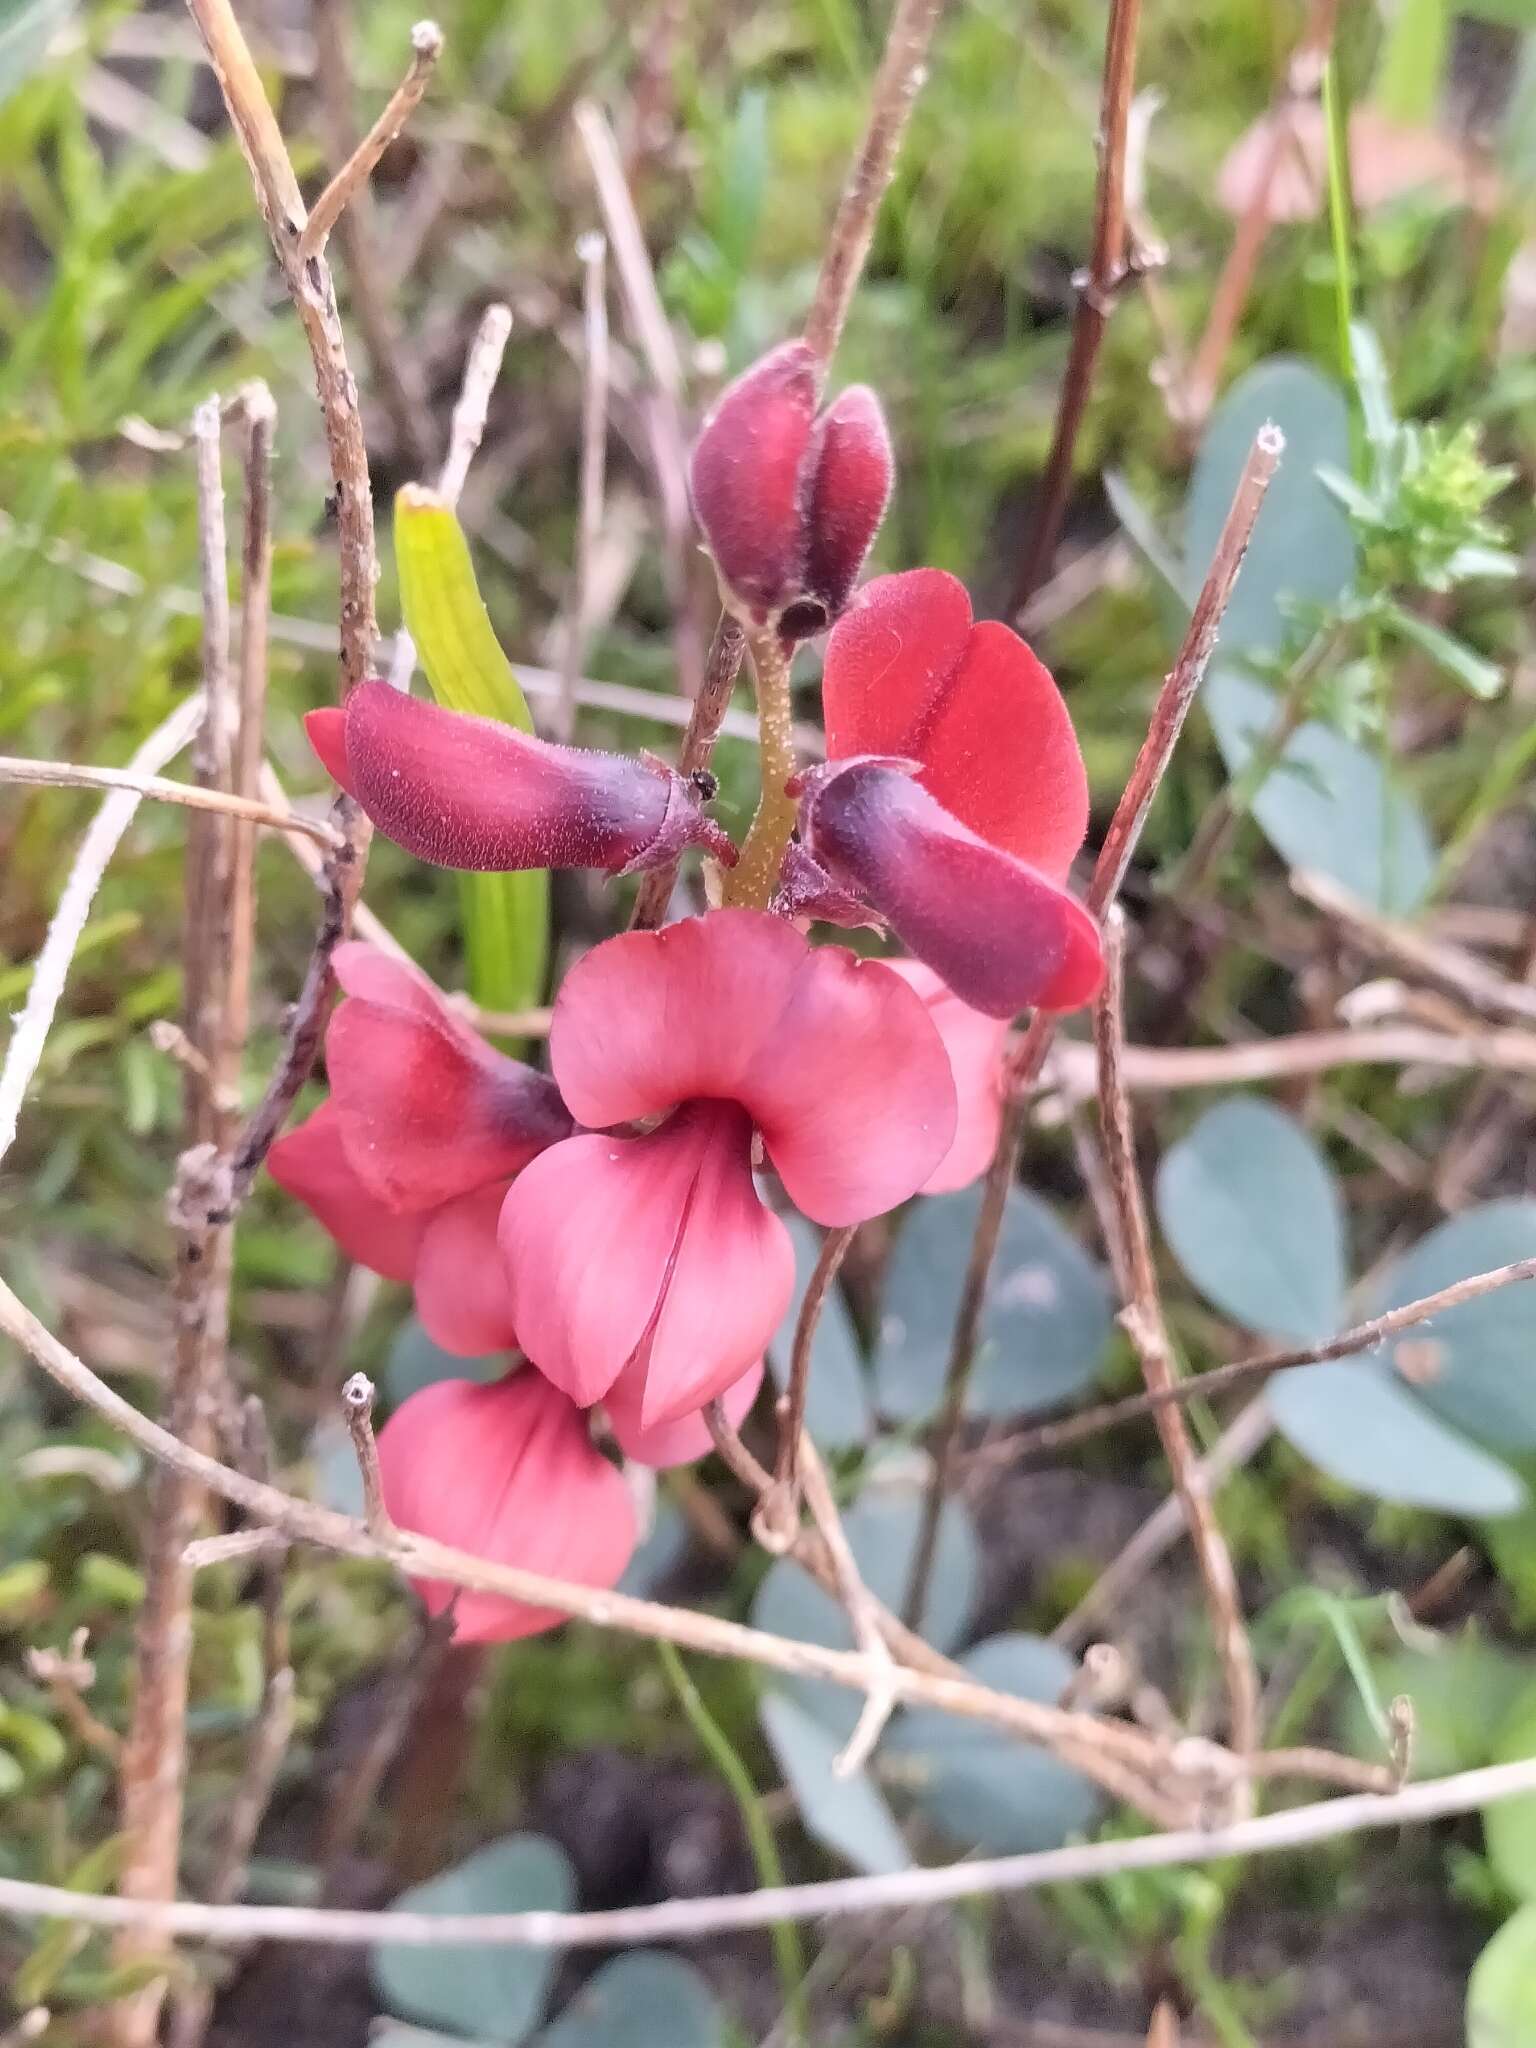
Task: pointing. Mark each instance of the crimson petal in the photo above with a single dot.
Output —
(462, 1295)
(907, 672)
(311, 1164)
(474, 794)
(747, 478)
(427, 1110)
(1002, 935)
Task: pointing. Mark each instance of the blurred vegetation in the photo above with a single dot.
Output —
(134, 278)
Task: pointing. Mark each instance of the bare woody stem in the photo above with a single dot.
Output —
(1097, 290)
(1144, 1323)
(1175, 699)
(350, 179)
(357, 1406)
(829, 1260)
(1245, 1372)
(751, 882)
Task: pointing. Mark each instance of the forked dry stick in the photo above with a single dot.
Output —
(1144, 1324)
(1245, 1372)
(155, 1751)
(902, 69)
(1174, 701)
(192, 796)
(353, 175)
(863, 1612)
(1097, 290)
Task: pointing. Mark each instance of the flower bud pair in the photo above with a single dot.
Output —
(789, 499)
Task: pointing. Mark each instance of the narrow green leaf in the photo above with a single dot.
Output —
(445, 613)
(1478, 677)
(506, 917)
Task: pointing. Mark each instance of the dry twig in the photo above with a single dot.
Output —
(1174, 702)
(1098, 288)
(1143, 1320)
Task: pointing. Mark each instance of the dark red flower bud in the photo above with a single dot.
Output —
(790, 503)
(471, 793)
(1002, 935)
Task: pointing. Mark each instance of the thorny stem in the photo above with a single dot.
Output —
(788, 1955)
(1177, 695)
(1144, 1323)
(751, 882)
(1096, 294)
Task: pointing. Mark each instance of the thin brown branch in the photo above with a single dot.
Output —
(466, 430)
(1144, 1323)
(353, 176)
(259, 419)
(897, 83)
(1246, 1372)
(722, 665)
(25, 773)
(779, 1513)
(1097, 291)
(864, 1612)
(346, 205)
(592, 250)
(1180, 687)
(1443, 966)
(154, 1763)
(1151, 1069)
(1090, 1742)
(357, 1407)
(314, 297)
(1298, 1827)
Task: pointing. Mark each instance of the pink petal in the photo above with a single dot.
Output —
(747, 477)
(463, 1296)
(654, 1248)
(975, 1045)
(852, 1093)
(673, 1443)
(650, 1019)
(428, 1110)
(472, 793)
(507, 1472)
(1002, 935)
(310, 1163)
(907, 673)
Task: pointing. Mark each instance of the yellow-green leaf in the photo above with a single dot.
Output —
(446, 616)
(506, 917)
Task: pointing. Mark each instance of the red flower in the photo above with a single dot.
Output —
(790, 501)
(953, 797)
(974, 1043)
(672, 1443)
(471, 793)
(652, 1257)
(507, 1472)
(408, 1162)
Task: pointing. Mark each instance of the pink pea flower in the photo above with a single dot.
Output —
(509, 1473)
(975, 1045)
(789, 499)
(409, 1161)
(471, 793)
(953, 797)
(672, 1443)
(648, 1262)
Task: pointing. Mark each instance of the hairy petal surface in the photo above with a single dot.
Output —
(747, 477)
(507, 1472)
(651, 1253)
(1003, 936)
(908, 672)
(427, 1109)
(473, 793)
(311, 1164)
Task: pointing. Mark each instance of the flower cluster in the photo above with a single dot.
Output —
(613, 1225)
